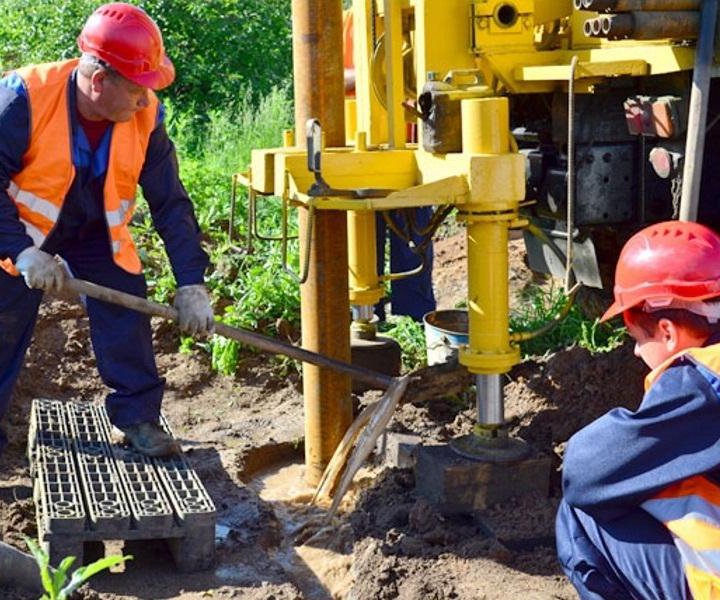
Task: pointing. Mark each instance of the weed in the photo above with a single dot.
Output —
(224, 356)
(541, 305)
(55, 581)
(411, 337)
(186, 345)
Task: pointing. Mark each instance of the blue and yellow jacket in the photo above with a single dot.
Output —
(54, 190)
(664, 457)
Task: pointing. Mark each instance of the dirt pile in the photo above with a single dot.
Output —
(391, 544)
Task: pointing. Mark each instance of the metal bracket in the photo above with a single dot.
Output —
(320, 187)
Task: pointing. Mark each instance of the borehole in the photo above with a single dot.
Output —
(315, 554)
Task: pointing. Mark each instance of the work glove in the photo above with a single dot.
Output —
(40, 270)
(195, 315)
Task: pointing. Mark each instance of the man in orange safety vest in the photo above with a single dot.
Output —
(77, 138)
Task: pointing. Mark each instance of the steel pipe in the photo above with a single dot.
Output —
(362, 312)
(697, 114)
(620, 6)
(596, 28)
(570, 177)
(644, 25)
(319, 93)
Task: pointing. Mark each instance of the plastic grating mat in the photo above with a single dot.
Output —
(88, 486)
(190, 500)
(57, 492)
(108, 509)
(148, 506)
(148, 503)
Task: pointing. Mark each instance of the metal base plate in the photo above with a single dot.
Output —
(480, 448)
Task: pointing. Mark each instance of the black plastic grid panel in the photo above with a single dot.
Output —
(47, 426)
(58, 495)
(108, 509)
(148, 503)
(88, 488)
(193, 506)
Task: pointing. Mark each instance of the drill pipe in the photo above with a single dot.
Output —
(644, 25)
(619, 6)
(319, 90)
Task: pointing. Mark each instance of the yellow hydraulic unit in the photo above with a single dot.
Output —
(463, 73)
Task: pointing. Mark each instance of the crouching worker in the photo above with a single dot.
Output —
(76, 138)
(640, 517)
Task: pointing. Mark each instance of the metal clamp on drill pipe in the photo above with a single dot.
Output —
(321, 187)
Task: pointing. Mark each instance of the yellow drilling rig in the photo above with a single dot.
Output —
(576, 121)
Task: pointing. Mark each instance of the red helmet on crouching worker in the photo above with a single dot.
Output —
(127, 39)
(675, 262)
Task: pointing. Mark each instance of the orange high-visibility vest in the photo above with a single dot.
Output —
(690, 509)
(39, 189)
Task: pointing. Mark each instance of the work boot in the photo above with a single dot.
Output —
(151, 439)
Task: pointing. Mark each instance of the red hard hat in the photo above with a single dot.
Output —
(127, 39)
(675, 260)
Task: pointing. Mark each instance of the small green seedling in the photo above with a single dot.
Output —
(55, 581)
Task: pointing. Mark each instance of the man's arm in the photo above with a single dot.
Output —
(14, 139)
(172, 210)
(624, 458)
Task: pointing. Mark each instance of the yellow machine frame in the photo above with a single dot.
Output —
(517, 47)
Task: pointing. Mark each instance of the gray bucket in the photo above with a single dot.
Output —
(445, 332)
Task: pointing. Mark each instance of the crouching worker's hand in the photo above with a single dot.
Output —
(195, 315)
(40, 270)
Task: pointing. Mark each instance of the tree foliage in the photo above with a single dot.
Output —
(219, 47)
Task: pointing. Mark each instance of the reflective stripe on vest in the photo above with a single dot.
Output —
(691, 512)
(39, 190)
(690, 509)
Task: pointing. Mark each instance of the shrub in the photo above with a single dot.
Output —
(218, 46)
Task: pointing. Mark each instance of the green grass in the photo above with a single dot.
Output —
(541, 305)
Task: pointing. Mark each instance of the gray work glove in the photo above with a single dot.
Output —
(40, 270)
(195, 315)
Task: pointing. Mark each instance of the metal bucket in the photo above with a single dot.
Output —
(445, 332)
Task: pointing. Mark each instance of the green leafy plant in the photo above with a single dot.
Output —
(411, 337)
(55, 581)
(541, 305)
(601, 337)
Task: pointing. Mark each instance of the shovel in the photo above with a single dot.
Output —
(371, 422)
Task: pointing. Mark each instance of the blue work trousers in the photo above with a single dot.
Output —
(632, 557)
(412, 296)
(121, 338)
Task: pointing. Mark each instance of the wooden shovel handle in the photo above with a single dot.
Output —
(256, 340)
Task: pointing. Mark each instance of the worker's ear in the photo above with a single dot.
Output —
(669, 335)
(97, 80)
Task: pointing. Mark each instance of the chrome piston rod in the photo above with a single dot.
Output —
(490, 401)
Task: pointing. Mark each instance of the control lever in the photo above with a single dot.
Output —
(321, 187)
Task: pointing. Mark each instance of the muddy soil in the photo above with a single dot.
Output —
(387, 543)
